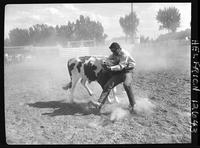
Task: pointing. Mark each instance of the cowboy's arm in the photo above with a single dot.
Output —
(125, 62)
(131, 63)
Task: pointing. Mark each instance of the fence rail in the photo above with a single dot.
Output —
(81, 51)
(15, 47)
(82, 43)
(73, 52)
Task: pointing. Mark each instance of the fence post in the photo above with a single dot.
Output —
(94, 42)
(68, 44)
(82, 45)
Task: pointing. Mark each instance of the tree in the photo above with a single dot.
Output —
(129, 24)
(82, 29)
(169, 19)
(144, 39)
(6, 42)
(42, 34)
(86, 29)
(19, 37)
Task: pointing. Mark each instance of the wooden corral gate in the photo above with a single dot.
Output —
(45, 51)
(13, 50)
(84, 51)
(77, 48)
(73, 52)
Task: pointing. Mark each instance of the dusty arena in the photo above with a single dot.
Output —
(37, 110)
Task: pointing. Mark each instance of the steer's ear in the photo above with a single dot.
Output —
(94, 67)
(91, 65)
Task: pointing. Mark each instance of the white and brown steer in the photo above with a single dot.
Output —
(87, 69)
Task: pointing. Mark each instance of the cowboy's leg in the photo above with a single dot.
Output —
(128, 79)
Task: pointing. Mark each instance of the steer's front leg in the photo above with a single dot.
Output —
(85, 84)
(116, 99)
(114, 90)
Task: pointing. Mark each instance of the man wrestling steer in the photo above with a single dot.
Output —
(122, 71)
(108, 72)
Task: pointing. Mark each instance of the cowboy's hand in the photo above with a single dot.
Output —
(107, 67)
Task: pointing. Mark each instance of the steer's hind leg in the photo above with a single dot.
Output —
(114, 90)
(74, 83)
(85, 84)
(109, 99)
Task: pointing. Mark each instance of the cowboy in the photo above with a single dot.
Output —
(123, 68)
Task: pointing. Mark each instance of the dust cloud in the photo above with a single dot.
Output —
(118, 112)
(144, 106)
(158, 56)
(50, 71)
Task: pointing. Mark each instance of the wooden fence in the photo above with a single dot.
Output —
(67, 52)
(73, 52)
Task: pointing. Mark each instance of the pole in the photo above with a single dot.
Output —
(131, 7)
(131, 22)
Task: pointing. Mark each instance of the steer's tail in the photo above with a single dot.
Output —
(69, 67)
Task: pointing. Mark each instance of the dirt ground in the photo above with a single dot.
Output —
(37, 110)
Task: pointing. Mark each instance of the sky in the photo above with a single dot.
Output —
(27, 15)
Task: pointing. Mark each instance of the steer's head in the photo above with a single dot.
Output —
(97, 63)
(107, 62)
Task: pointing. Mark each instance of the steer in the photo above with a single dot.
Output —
(88, 69)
